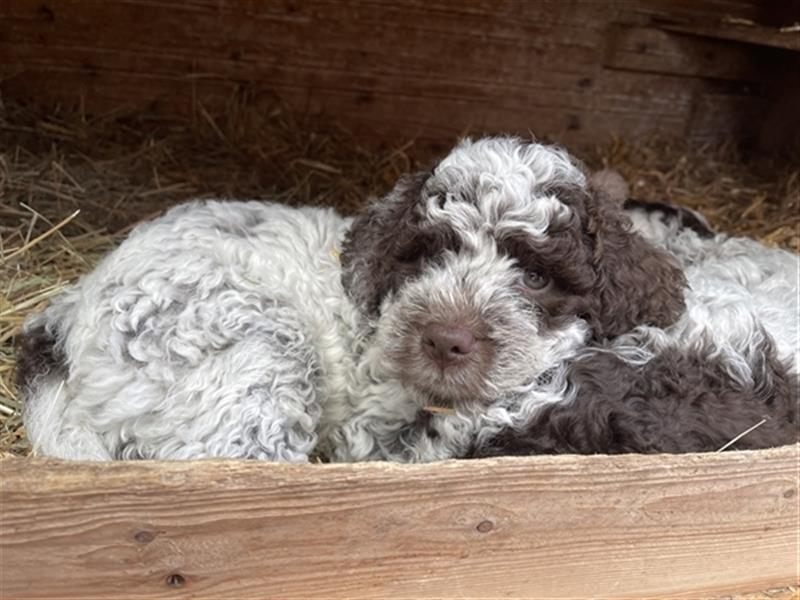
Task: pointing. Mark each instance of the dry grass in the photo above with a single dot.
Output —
(72, 186)
(757, 198)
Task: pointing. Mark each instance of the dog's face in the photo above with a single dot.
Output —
(480, 276)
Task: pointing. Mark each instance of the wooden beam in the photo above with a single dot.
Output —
(787, 38)
(426, 69)
(563, 526)
(652, 50)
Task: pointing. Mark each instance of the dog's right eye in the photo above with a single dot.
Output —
(535, 280)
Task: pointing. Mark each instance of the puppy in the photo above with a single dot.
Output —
(725, 375)
(253, 330)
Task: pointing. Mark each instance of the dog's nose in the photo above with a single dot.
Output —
(447, 344)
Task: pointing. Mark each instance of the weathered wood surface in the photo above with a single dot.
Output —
(624, 526)
(388, 69)
(748, 33)
(648, 49)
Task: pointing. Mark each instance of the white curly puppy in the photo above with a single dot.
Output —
(253, 330)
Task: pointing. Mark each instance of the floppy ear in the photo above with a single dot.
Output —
(612, 184)
(637, 283)
(370, 269)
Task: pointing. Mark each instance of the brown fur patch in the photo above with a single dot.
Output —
(390, 243)
(601, 270)
(678, 402)
(637, 284)
(38, 354)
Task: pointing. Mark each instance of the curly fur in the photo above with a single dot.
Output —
(727, 367)
(679, 401)
(194, 339)
(231, 329)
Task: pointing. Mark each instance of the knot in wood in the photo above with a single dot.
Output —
(144, 536)
(485, 526)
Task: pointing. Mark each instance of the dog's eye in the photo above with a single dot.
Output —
(535, 280)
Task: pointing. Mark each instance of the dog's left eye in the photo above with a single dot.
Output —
(535, 280)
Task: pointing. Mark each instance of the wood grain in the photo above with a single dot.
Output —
(538, 527)
(745, 33)
(430, 69)
(654, 50)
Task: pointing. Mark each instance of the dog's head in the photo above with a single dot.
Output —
(479, 276)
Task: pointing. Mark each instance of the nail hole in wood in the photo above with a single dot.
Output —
(144, 536)
(175, 580)
(789, 493)
(485, 526)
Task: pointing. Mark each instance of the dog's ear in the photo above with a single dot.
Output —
(612, 184)
(637, 283)
(370, 266)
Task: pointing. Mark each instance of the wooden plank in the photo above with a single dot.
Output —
(745, 32)
(656, 51)
(563, 526)
(742, 114)
(611, 110)
(430, 69)
(571, 108)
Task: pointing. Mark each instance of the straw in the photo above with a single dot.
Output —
(72, 186)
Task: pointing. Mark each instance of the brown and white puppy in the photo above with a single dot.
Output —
(507, 285)
(479, 282)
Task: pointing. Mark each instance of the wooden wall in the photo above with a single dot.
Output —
(694, 526)
(577, 70)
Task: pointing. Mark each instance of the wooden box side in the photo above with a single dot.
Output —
(564, 526)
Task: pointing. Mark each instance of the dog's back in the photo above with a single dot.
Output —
(194, 338)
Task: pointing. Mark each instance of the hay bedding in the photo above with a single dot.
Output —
(71, 187)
